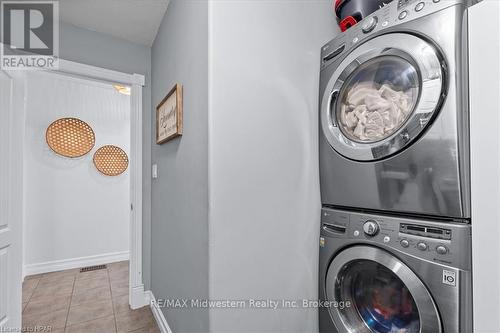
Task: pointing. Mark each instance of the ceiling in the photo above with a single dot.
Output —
(134, 20)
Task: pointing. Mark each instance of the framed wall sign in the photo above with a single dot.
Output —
(169, 116)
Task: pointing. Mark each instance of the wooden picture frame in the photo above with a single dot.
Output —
(169, 116)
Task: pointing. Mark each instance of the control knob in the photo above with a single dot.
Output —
(370, 24)
(371, 228)
(441, 249)
(404, 243)
(422, 246)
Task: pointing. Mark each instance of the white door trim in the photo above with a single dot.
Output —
(13, 230)
(136, 285)
(98, 73)
(137, 297)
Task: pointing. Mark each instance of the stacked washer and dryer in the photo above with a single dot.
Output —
(395, 247)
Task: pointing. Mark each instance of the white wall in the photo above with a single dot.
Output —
(484, 52)
(71, 210)
(264, 59)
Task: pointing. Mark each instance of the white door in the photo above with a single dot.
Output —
(10, 252)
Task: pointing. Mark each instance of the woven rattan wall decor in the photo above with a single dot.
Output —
(70, 137)
(111, 160)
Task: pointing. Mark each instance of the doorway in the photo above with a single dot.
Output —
(132, 269)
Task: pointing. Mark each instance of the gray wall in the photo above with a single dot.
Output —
(263, 162)
(93, 48)
(179, 259)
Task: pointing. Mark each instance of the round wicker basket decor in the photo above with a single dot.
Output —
(70, 137)
(111, 160)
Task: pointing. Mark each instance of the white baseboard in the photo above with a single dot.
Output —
(59, 265)
(158, 314)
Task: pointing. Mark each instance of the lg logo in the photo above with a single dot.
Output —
(30, 33)
(449, 278)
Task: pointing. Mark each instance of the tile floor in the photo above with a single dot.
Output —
(90, 302)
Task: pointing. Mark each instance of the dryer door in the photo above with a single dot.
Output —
(384, 294)
(382, 96)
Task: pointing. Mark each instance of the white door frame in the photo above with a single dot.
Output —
(14, 214)
(137, 296)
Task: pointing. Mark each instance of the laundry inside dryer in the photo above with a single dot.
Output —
(378, 98)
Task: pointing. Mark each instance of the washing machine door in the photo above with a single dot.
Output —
(383, 294)
(382, 96)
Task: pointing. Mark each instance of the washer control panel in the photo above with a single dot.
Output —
(442, 242)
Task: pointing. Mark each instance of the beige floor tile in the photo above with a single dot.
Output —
(101, 273)
(54, 291)
(121, 268)
(47, 305)
(30, 284)
(29, 287)
(119, 287)
(55, 319)
(34, 276)
(89, 311)
(103, 325)
(153, 328)
(119, 275)
(120, 304)
(120, 265)
(92, 295)
(27, 295)
(57, 330)
(134, 320)
(55, 280)
(92, 283)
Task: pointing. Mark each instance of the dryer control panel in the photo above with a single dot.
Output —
(437, 241)
(385, 19)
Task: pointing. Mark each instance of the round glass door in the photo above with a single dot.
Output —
(385, 296)
(382, 97)
(381, 301)
(377, 99)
